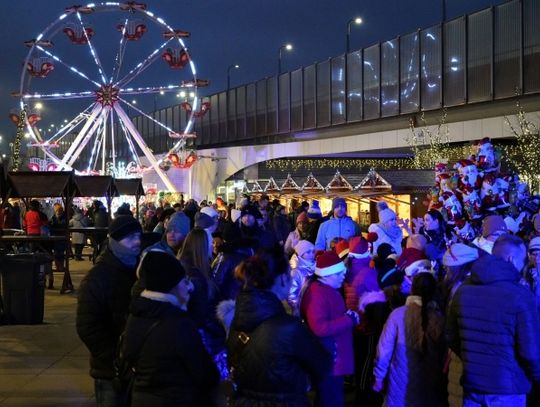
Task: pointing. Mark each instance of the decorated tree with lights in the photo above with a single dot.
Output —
(525, 154)
(18, 138)
(428, 147)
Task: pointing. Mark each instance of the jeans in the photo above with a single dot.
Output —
(494, 400)
(106, 395)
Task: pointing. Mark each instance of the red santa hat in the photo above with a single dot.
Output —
(329, 263)
(410, 259)
(358, 247)
(464, 163)
(342, 248)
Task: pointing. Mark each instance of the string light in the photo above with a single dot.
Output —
(18, 139)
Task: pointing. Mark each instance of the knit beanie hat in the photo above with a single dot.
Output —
(329, 263)
(210, 211)
(314, 212)
(534, 244)
(342, 248)
(338, 201)
(384, 250)
(203, 221)
(302, 217)
(417, 242)
(385, 213)
(388, 274)
(358, 247)
(459, 254)
(159, 271)
(179, 222)
(303, 246)
(493, 224)
(123, 226)
(251, 210)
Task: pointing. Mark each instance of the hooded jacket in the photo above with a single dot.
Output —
(493, 326)
(273, 366)
(343, 227)
(102, 310)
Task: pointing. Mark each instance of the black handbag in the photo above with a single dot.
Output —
(124, 368)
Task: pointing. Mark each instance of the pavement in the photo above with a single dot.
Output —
(47, 364)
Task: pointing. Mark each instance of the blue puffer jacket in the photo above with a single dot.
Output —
(493, 325)
(343, 227)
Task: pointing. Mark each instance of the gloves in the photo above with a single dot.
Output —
(354, 316)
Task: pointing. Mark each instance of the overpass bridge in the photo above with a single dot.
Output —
(474, 68)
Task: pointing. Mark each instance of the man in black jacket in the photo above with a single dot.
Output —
(493, 326)
(103, 304)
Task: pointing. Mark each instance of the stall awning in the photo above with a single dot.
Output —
(96, 185)
(129, 186)
(37, 184)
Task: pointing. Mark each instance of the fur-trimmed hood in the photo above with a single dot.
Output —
(370, 297)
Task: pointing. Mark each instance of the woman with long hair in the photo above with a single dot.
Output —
(273, 356)
(411, 350)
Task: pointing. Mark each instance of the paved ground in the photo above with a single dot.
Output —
(46, 365)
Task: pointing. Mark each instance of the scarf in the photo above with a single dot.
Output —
(123, 254)
(393, 232)
(163, 297)
(305, 264)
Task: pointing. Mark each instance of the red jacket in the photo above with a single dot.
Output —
(324, 310)
(33, 221)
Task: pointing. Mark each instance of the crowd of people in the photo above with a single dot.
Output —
(213, 304)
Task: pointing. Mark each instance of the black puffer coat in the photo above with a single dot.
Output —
(273, 367)
(493, 326)
(173, 367)
(102, 310)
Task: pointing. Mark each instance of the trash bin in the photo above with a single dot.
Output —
(23, 286)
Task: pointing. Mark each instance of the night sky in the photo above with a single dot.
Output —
(223, 32)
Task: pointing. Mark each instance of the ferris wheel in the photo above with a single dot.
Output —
(89, 65)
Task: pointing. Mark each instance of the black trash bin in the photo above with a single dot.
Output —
(23, 286)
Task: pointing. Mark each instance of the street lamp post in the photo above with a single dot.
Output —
(357, 21)
(235, 66)
(288, 47)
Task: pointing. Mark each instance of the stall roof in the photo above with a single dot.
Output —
(129, 186)
(38, 184)
(96, 185)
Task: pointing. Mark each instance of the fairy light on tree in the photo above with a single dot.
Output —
(524, 156)
(18, 138)
(428, 147)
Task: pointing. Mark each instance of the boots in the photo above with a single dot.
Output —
(67, 285)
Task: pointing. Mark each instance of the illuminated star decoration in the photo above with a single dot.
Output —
(107, 95)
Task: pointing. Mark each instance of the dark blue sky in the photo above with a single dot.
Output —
(223, 32)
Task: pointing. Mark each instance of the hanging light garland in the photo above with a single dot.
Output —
(18, 138)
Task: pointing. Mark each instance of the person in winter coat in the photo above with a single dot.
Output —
(273, 356)
(161, 341)
(58, 225)
(300, 233)
(34, 219)
(493, 226)
(531, 276)
(387, 229)
(323, 308)
(304, 266)
(434, 230)
(78, 239)
(457, 261)
(103, 303)
(340, 225)
(250, 229)
(411, 350)
(361, 277)
(100, 219)
(493, 326)
(280, 224)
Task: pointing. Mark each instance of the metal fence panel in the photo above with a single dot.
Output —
(354, 86)
(531, 45)
(214, 119)
(323, 94)
(409, 73)
(372, 82)
(338, 90)
(455, 53)
(310, 86)
(430, 77)
(251, 112)
(479, 63)
(296, 100)
(283, 104)
(222, 116)
(271, 105)
(507, 56)
(390, 78)
(261, 108)
(240, 113)
(231, 115)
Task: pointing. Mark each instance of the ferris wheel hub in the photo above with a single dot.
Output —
(107, 95)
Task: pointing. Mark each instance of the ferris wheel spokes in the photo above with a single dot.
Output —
(93, 130)
(92, 50)
(141, 66)
(119, 54)
(142, 145)
(59, 96)
(93, 115)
